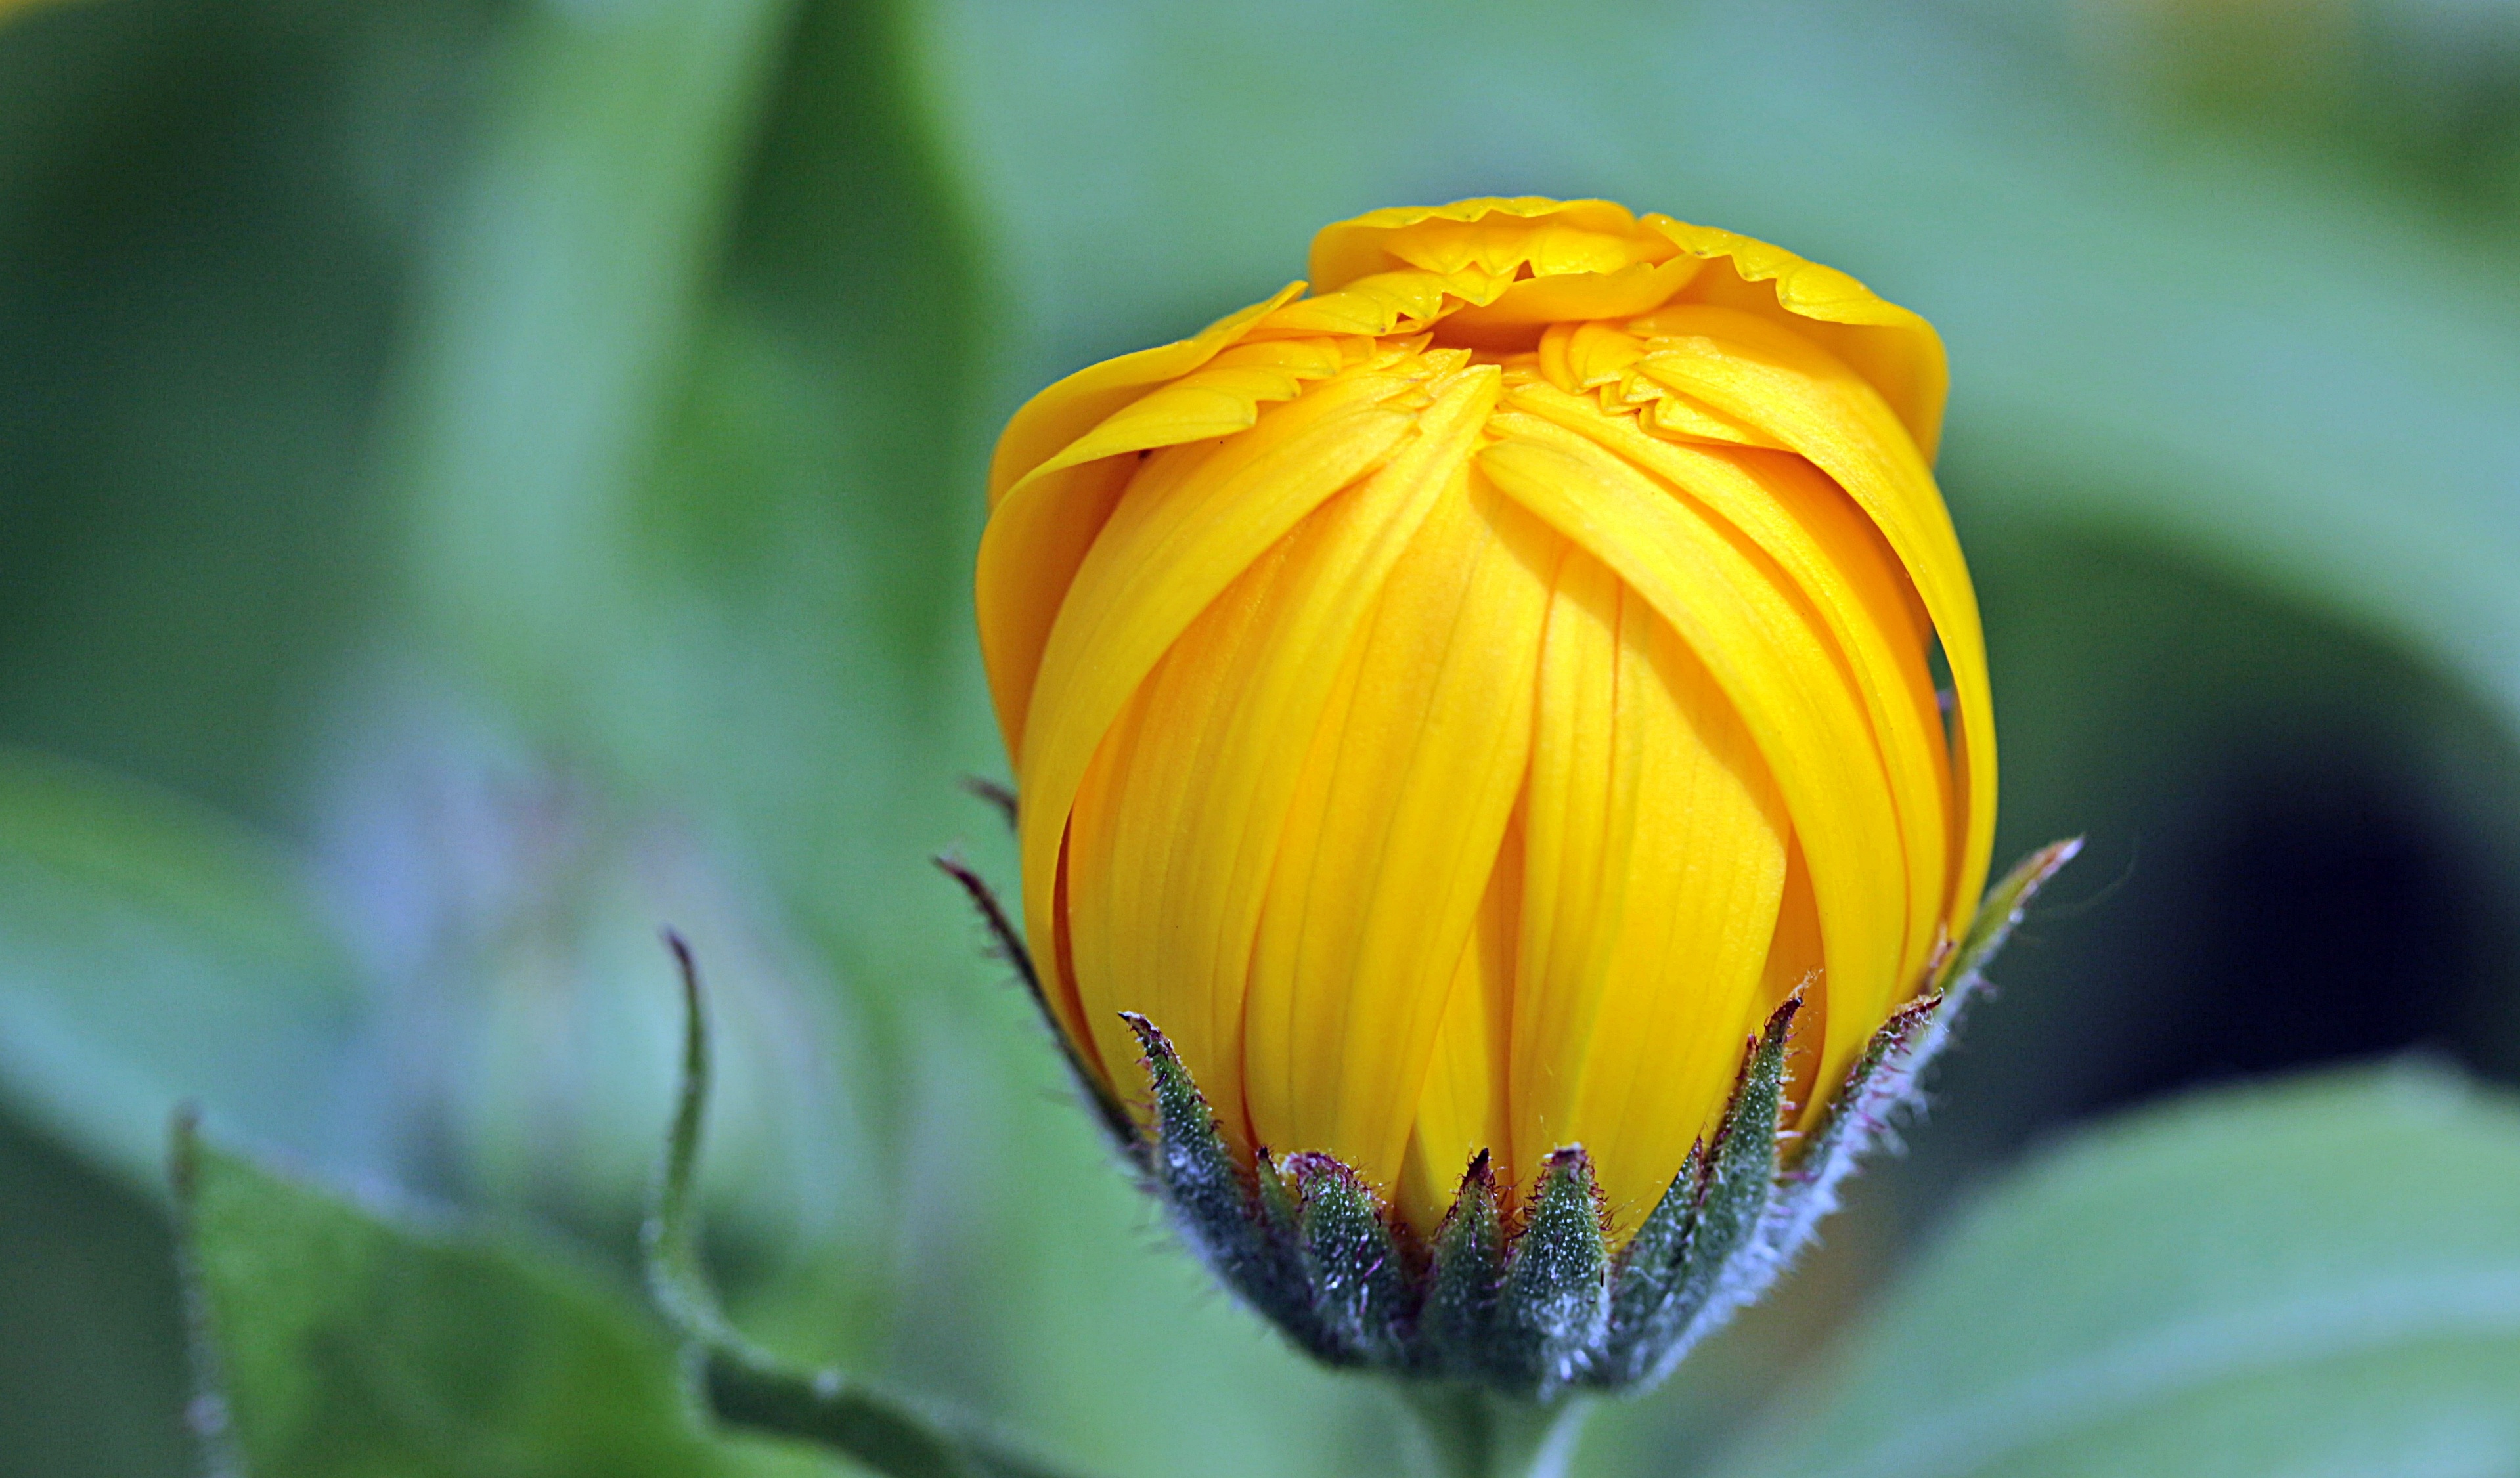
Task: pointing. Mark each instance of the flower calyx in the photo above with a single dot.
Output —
(1536, 1302)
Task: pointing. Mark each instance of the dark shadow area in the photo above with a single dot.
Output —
(91, 1352)
(2299, 852)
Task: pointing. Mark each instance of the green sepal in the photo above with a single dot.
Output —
(1726, 1263)
(1723, 1263)
(1216, 1211)
(1884, 1083)
(1248, 1232)
(1645, 1281)
(1360, 1279)
(1277, 1203)
(1524, 1312)
(1554, 1310)
(2000, 911)
(1276, 1282)
(1456, 1327)
(1007, 941)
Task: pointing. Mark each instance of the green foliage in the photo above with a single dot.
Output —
(338, 1343)
(684, 439)
(156, 951)
(682, 448)
(2320, 1277)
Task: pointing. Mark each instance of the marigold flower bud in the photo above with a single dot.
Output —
(1455, 708)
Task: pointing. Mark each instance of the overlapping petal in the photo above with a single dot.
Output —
(1458, 705)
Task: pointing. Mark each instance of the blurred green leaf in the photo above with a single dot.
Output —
(2318, 1276)
(150, 951)
(553, 308)
(336, 1342)
(204, 214)
(698, 518)
(684, 439)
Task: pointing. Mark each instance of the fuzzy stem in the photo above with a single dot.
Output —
(1464, 1431)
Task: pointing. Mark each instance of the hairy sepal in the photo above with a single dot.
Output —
(1533, 1305)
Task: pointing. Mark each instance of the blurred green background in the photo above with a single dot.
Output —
(481, 479)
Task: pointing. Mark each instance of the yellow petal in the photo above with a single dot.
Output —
(1169, 550)
(1219, 398)
(1810, 401)
(1525, 305)
(1461, 1111)
(1386, 303)
(1394, 836)
(1586, 357)
(1653, 862)
(1837, 559)
(1073, 406)
(1488, 236)
(1141, 931)
(1893, 347)
(1053, 499)
(1181, 842)
(1682, 417)
(1029, 555)
(1797, 962)
(1770, 655)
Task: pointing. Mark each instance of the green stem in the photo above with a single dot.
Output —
(1467, 1432)
(743, 1384)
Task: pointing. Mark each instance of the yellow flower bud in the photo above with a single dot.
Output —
(1457, 706)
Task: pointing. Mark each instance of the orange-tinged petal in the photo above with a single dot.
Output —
(1166, 554)
(1798, 962)
(1534, 301)
(1135, 835)
(1203, 855)
(1029, 555)
(1487, 237)
(1893, 347)
(1219, 398)
(1387, 302)
(1032, 547)
(1837, 559)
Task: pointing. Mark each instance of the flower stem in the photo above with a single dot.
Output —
(743, 1385)
(1465, 1432)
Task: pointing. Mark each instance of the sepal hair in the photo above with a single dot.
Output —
(1363, 1294)
(1248, 1230)
(1887, 1084)
(1535, 1303)
(1681, 1286)
(1457, 1330)
(1006, 941)
(1553, 1312)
